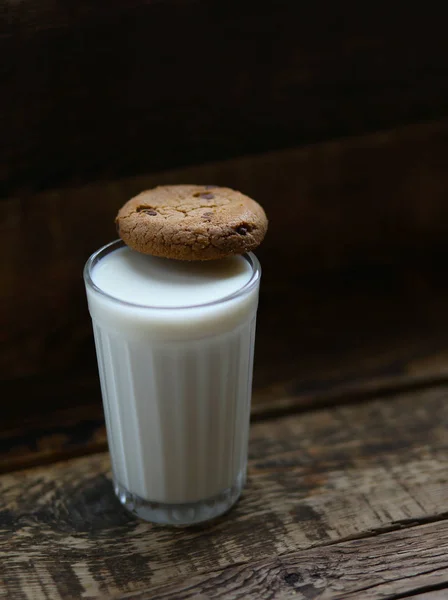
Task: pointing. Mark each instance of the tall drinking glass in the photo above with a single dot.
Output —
(176, 383)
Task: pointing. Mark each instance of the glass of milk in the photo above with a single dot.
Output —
(175, 347)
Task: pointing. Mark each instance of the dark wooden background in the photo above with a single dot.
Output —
(333, 115)
(107, 89)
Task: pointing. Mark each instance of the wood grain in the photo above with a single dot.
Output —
(434, 595)
(383, 567)
(315, 480)
(133, 86)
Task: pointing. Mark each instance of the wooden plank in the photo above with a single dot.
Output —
(434, 595)
(314, 479)
(384, 567)
(128, 87)
(72, 424)
(383, 330)
(375, 200)
(33, 438)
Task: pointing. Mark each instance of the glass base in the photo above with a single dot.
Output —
(190, 513)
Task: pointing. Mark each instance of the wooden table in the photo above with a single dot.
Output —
(347, 494)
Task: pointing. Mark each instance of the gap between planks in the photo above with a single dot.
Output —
(430, 592)
(343, 395)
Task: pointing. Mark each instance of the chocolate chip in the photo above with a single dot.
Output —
(146, 209)
(205, 195)
(241, 230)
(210, 187)
(207, 216)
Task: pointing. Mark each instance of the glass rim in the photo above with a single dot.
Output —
(112, 246)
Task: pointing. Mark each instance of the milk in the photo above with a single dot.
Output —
(175, 345)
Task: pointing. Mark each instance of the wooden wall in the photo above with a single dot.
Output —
(104, 89)
(378, 198)
(333, 115)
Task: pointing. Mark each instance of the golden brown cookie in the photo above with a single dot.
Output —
(192, 222)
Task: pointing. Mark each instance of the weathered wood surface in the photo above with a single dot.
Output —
(94, 90)
(315, 480)
(386, 566)
(375, 200)
(440, 594)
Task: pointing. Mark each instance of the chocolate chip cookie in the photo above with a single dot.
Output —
(192, 222)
